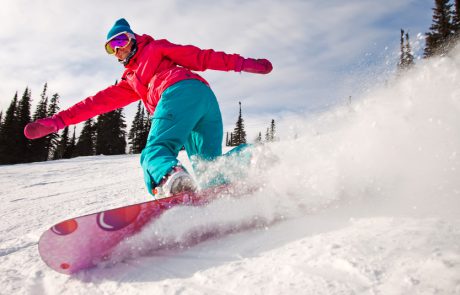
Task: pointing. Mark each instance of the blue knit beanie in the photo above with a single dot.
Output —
(120, 25)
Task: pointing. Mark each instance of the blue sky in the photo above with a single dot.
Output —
(322, 51)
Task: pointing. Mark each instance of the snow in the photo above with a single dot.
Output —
(365, 200)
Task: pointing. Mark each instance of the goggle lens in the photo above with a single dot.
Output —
(119, 41)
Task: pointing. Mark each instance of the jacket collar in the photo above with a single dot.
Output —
(141, 42)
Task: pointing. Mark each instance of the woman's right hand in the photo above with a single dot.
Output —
(43, 127)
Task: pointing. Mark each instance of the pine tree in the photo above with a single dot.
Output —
(272, 131)
(24, 153)
(409, 55)
(270, 134)
(146, 129)
(441, 31)
(42, 107)
(406, 60)
(62, 144)
(136, 132)
(65, 148)
(86, 141)
(258, 138)
(70, 150)
(239, 134)
(54, 105)
(24, 108)
(9, 135)
(1, 117)
(111, 134)
(40, 146)
(140, 130)
(402, 54)
(456, 20)
(53, 109)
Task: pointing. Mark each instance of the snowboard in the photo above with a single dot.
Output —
(80, 243)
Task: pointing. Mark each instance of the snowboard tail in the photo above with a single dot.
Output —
(82, 242)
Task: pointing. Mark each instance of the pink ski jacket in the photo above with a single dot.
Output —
(156, 65)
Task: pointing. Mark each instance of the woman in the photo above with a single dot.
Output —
(185, 110)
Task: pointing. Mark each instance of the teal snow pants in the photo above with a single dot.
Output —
(187, 115)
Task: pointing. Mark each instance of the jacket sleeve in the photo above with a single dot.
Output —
(197, 59)
(109, 99)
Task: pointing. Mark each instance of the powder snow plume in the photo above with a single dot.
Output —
(398, 147)
(393, 152)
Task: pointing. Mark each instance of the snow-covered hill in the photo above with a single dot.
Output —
(365, 200)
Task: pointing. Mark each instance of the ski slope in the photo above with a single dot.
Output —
(364, 200)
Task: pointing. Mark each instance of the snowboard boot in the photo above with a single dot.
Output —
(176, 181)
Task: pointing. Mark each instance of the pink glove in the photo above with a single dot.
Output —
(43, 127)
(257, 66)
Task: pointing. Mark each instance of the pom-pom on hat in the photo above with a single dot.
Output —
(120, 25)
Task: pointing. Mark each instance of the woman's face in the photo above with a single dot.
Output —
(122, 53)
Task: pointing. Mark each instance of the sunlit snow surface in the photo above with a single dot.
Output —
(365, 199)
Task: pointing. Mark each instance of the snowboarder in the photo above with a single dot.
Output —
(184, 109)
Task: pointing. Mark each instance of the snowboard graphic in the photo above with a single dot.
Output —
(80, 243)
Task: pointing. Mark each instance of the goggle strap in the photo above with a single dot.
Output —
(130, 36)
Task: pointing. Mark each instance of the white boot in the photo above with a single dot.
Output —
(176, 181)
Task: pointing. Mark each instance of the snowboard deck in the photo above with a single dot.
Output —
(80, 243)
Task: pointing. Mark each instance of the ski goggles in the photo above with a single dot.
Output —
(120, 40)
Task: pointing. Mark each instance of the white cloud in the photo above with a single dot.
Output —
(312, 44)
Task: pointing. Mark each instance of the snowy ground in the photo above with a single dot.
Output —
(365, 200)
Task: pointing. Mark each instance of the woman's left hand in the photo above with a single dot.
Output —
(257, 66)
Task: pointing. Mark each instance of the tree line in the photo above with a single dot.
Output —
(105, 135)
(443, 33)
